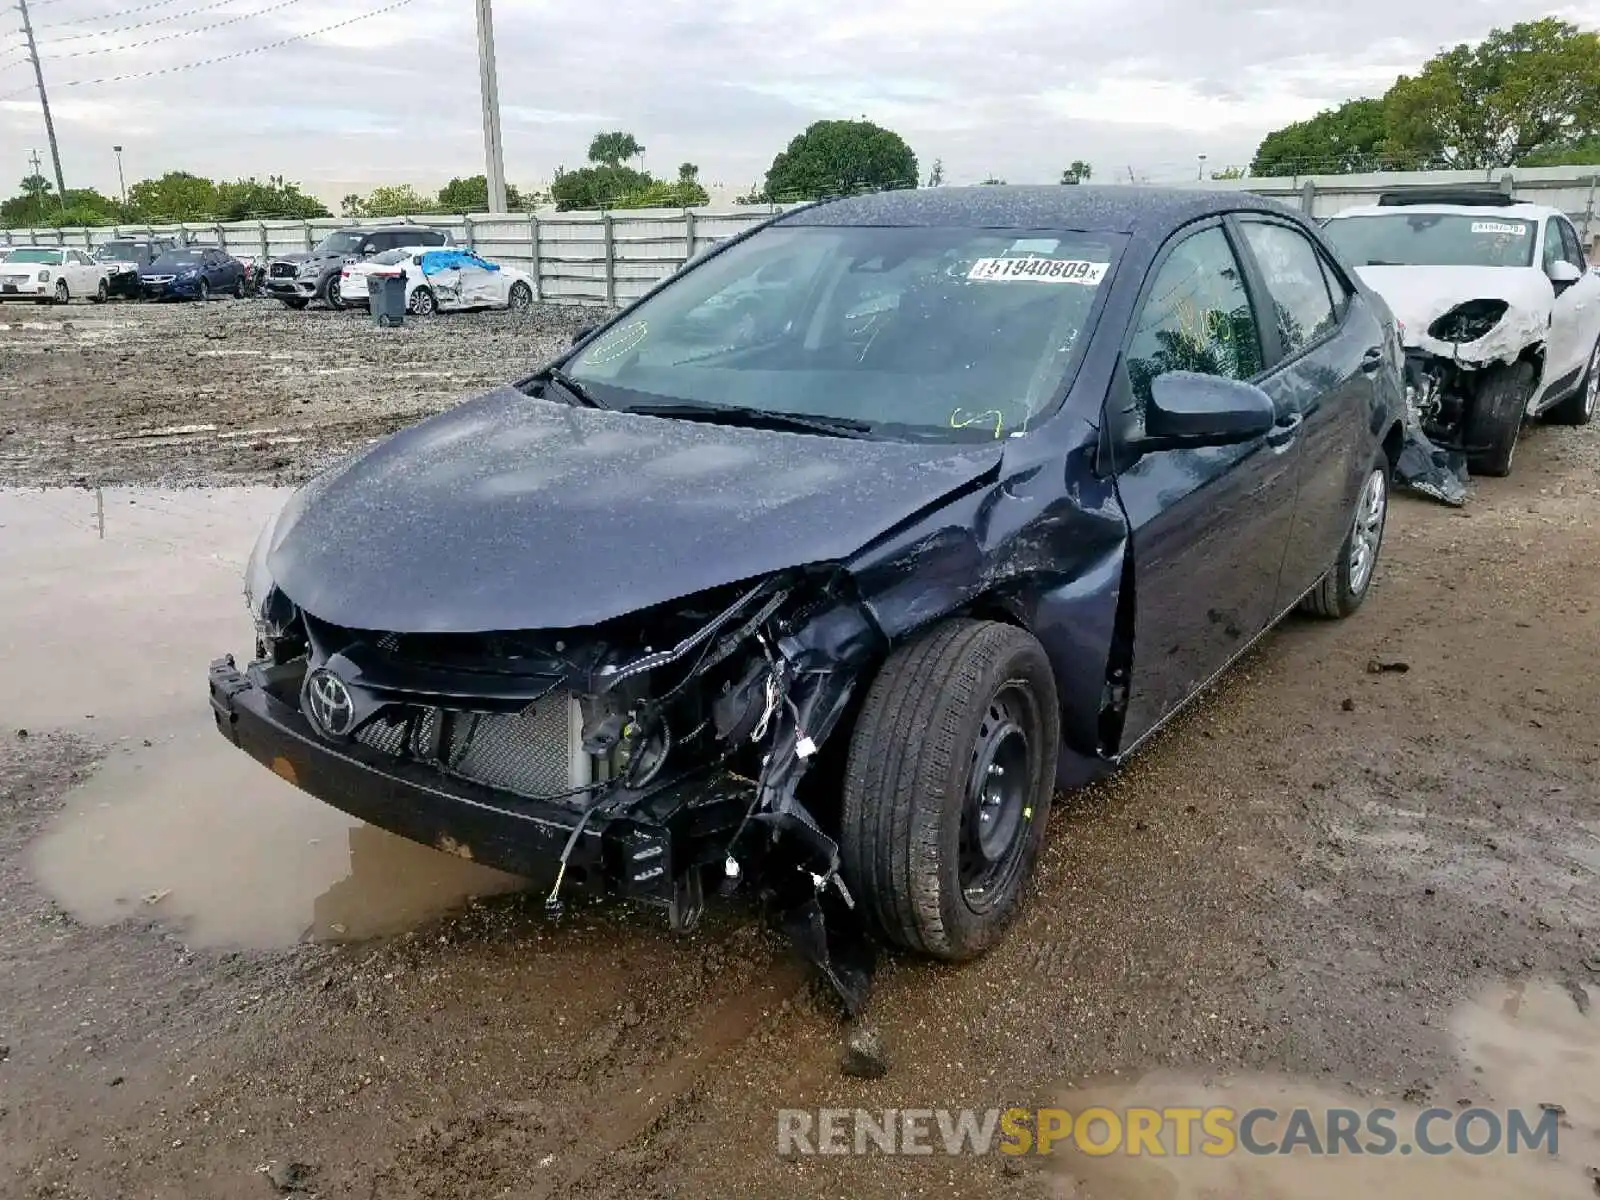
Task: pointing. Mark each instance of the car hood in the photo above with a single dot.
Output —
(1418, 296)
(297, 256)
(511, 512)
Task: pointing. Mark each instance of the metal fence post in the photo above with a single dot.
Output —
(305, 230)
(261, 226)
(611, 259)
(688, 235)
(534, 267)
(1308, 197)
(222, 236)
(466, 231)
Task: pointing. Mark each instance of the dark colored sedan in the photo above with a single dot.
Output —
(192, 273)
(823, 565)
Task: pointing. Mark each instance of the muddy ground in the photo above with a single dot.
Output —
(237, 391)
(1326, 883)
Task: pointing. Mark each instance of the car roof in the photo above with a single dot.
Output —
(1515, 209)
(1090, 208)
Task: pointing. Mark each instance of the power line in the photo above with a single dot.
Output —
(187, 12)
(182, 33)
(111, 16)
(206, 62)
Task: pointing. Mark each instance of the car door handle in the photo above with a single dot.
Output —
(1372, 359)
(1285, 430)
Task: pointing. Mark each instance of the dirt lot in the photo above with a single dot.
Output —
(236, 391)
(1326, 885)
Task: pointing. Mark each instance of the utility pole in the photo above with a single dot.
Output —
(44, 102)
(493, 151)
(121, 183)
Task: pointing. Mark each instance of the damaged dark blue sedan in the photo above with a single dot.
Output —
(818, 569)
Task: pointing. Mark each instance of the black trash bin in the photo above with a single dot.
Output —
(386, 296)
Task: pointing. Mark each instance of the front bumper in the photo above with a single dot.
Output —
(124, 284)
(30, 289)
(187, 289)
(291, 288)
(649, 845)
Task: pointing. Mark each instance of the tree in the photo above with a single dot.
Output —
(597, 187)
(394, 200)
(664, 194)
(471, 195)
(614, 148)
(992, 181)
(688, 173)
(1078, 172)
(1580, 151)
(936, 174)
(1336, 141)
(176, 196)
(833, 157)
(244, 199)
(1521, 91)
(1228, 173)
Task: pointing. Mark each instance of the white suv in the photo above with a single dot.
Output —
(1500, 312)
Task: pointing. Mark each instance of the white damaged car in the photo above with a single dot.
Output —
(1499, 313)
(441, 279)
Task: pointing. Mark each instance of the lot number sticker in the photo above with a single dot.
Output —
(1038, 270)
(1496, 227)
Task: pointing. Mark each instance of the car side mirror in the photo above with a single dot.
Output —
(1563, 274)
(583, 333)
(1190, 410)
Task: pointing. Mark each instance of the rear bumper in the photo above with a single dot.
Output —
(645, 845)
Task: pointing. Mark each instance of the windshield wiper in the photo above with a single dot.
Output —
(724, 414)
(578, 392)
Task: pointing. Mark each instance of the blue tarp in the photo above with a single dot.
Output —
(434, 261)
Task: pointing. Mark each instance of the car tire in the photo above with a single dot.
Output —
(1495, 420)
(1578, 408)
(203, 292)
(102, 293)
(238, 288)
(295, 302)
(423, 302)
(62, 295)
(936, 842)
(1341, 591)
(520, 298)
(333, 293)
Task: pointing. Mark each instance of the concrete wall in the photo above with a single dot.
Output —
(614, 257)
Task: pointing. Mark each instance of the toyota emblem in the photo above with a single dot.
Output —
(328, 703)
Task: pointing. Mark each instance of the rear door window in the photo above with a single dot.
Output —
(1295, 278)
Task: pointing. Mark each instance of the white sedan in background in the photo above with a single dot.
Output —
(441, 279)
(51, 274)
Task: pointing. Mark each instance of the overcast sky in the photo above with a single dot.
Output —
(1012, 88)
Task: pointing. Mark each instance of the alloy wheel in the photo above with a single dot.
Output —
(1367, 533)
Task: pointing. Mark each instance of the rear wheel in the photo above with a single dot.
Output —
(102, 293)
(204, 291)
(520, 298)
(1495, 420)
(1578, 408)
(238, 287)
(948, 784)
(1341, 591)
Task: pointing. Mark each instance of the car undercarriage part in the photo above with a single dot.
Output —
(597, 722)
(1461, 414)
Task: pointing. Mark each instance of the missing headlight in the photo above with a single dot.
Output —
(1468, 321)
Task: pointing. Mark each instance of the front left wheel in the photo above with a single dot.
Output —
(1341, 591)
(948, 784)
(334, 294)
(62, 295)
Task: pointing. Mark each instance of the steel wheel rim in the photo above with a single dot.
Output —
(996, 810)
(1367, 533)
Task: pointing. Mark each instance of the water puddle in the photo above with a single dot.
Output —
(1526, 1045)
(111, 637)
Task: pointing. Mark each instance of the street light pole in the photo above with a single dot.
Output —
(44, 101)
(1201, 173)
(122, 185)
(493, 151)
